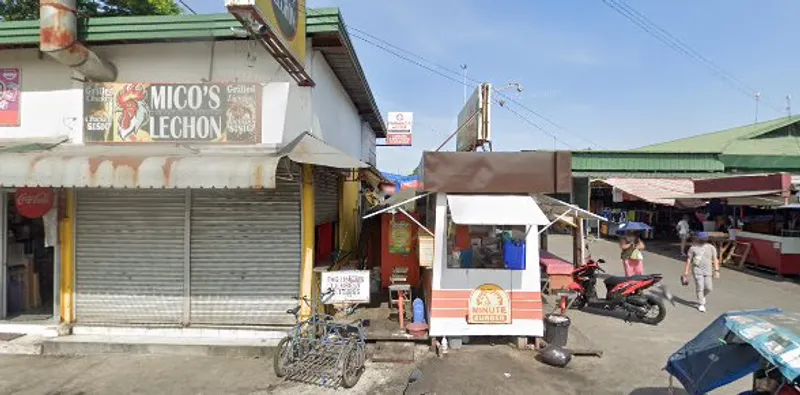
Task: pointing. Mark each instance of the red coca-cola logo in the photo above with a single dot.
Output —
(34, 202)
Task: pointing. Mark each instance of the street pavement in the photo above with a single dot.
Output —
(634, 354)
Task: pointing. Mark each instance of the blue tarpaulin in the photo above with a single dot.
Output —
(401, 181)
(734, 346)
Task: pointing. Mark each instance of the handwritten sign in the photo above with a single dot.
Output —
(349, 286)
(489, 304)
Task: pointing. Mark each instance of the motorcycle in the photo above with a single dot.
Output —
(622, 293)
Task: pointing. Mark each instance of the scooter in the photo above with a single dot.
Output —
(622, 293)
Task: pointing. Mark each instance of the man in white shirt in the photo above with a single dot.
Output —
(683, 232)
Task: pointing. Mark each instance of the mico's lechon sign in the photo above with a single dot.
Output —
(144, 112)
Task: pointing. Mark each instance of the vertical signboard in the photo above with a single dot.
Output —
(9, 97)
(398, 128)
(144, 112)
(287, 20)
(473, 120)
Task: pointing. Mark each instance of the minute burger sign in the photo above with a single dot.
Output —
(34, 202)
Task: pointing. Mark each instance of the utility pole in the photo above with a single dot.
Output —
(758, 99)
(789, 105)
(464, 69)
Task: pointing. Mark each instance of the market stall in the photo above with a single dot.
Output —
(486, 237)
(765, 230)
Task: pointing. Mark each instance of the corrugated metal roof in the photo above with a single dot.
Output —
(600, 175)
(653, 190)
(120, 168)
(164, 166)
(644, 162)
(716, 142)
(323, 22)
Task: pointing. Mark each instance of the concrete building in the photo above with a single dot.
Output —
(205, 208)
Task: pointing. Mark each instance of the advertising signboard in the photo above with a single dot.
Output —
(489, 304)
(144, 112)
(287, 20)
(9, 97)
(398, 128)
(473, 120)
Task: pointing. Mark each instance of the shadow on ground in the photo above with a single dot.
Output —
(658, 391)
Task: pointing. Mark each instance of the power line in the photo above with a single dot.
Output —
(396, 51)
(679, 46)
(453, 71)
(183, 3)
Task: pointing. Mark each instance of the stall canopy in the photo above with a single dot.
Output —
(164, 166)
(557, 209)
(497, 172)
(495, 210)
(739, 198)
(653, 190)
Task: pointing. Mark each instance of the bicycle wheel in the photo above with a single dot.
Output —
(284, 355)
(353, 366)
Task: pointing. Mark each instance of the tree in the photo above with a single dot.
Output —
(20, 10)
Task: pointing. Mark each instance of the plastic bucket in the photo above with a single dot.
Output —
(556, 329)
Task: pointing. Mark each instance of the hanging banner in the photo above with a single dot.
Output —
(10, 97)
(197, 113)
(400, 238)
(398, 128)
(34, 202)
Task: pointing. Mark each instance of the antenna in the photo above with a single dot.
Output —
(789, 105)
(464, 68)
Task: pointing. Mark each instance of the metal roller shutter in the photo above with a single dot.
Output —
(326, 195)
(245, 254)
(130, 256)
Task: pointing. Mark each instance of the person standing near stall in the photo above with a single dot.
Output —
(683, 233)
(703, 261)
(632, 258)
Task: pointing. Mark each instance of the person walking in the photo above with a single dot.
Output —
(703, 261)
(632, 258)
(683, 233)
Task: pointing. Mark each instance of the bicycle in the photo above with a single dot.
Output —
(291, 347)
(320, 347)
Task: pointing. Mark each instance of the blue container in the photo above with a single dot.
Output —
(514, 254)
(466, 258)
(419, 311)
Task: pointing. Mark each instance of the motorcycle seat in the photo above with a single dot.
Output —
(613, 281)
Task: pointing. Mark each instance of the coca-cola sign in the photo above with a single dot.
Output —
(34, 202)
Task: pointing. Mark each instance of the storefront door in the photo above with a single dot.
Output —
(182, 257)
(130, 256)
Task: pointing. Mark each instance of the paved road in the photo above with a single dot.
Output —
(634, 354)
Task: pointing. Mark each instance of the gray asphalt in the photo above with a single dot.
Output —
(634, 354)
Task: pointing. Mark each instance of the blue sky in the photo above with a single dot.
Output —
(582, 65)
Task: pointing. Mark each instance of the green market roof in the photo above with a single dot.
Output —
(718, 142)
(325, 28)
(770, 146)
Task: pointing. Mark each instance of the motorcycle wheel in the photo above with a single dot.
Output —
(579, 303)
(656, 311)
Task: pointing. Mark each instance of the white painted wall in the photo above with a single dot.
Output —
(52, 102)
(336, 119)
(368, 144)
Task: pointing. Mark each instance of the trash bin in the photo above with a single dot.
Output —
(556, 329)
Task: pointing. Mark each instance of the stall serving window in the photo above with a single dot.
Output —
(485, 246)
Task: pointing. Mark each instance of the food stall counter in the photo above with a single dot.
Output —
(779, 253)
